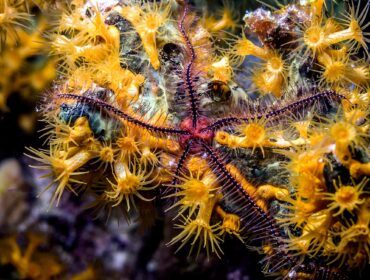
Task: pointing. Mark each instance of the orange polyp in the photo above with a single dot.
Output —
(221, 70)
(275, 64)
(230, 223)
(314, 234)
(129, 182)
(353, 32)
(358, 169)
(268, 192)
(314, 38)
(245, 47)
(197, 164)
(194, 191)
(359, 75)
(248, 187)
(268, 82)
(317, 8)
(147, 20)
(199, 230)
(343, 132)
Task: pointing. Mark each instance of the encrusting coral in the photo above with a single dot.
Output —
(149, 105)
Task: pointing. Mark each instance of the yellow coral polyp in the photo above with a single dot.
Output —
(85, 43)
(343, 132)
(356, 116)
(129, 183)
(255, 134)
(147, 157)
(197, 165)
(221, 70)
(163, 144)
(318, 38)
(268, 192)
(314, 38)
(314, 236)
(354, 243)
(63, 166)
(308, 185)
(334, 70)
(147, 20)
(353, 32)
(346, 198)
(317, 8)
(80, 131)
(107, 154)
(129, 147)
(227, 21)
(230, 223)
(339, 70)
(310, 162)
(224, 138)
(268, 82)
(358, 169)
(299, 211)
(275, 64)
(251, 135)
(31, 263)
(199, 230)
(194, 191)
(244, 47)
(11, 17)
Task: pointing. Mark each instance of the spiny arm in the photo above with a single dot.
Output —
(256, 221)
(308, 101)
(188, 71)
(105, 106)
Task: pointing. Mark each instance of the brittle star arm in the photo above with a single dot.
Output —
(179, 166)
(238, 195)
(108, 107)
(188, 76)
(181, 162)
(260, 224)
(271, 114)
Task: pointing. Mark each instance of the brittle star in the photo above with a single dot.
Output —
(196, 134)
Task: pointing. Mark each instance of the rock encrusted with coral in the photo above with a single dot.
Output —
(257, 132)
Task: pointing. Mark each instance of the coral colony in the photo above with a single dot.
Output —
(257, 129)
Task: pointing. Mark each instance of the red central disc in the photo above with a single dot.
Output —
(196, 133)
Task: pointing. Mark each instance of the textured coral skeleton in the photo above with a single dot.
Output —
(105, 141)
